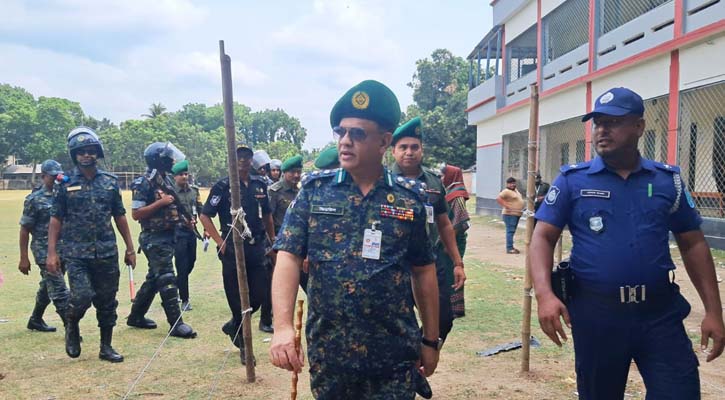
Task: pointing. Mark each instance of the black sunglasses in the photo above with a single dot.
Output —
(356, 134)
(88, 151)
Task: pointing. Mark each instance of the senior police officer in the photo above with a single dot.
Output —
(35, 220)
(185, 248)
(156, 207)
(255, 204)
(81, 214)
(407, 149)
(363, 231)
(620, 209)
(275, 171)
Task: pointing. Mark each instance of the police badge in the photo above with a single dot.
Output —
(596, 224)
(215, 200)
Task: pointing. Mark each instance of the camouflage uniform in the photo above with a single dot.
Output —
(36, 217)
(185, 249)
(281, 194)
(433, 186)
(362, 333)
(88, 244)
(157, 243)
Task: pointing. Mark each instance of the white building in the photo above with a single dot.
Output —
(671, 52)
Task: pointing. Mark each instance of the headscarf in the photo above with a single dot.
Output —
(453, 182)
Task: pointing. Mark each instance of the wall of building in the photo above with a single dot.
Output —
(649, 78)
(702, 63)
(521, 21)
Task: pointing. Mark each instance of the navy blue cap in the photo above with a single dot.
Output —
(617, 102)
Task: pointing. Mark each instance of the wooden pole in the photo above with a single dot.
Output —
(530, 196)
(298, 343)
(559, 249)
(226, 63)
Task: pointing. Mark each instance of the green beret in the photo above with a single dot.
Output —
(179, 167)
(408, 129)
(327, 159)
(369, 100)
(292, 163)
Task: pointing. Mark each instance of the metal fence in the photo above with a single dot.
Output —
(701, 146)
(653, 143)
(615, 13)
(521, 55)
(565, 29)
(560, 143)
(516, 157)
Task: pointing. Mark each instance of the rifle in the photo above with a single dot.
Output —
(186, 217)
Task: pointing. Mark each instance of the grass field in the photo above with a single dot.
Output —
(34, 365)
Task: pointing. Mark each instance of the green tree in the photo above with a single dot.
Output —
(156, 110)
(440, 93)
(17, 119)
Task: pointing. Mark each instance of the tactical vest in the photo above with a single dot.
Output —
(166, 218)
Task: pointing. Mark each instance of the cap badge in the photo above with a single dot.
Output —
(606, 98)
(360, 100)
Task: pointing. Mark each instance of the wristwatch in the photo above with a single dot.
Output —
(436, 344)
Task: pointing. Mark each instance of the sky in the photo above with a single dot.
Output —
(117, 57)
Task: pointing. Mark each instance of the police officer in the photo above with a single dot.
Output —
(407, 149)
(363, 231)
(156, 207)
(185, 249)
(35, 220)
(261, 166)
(282, 192)
(255, 204)
(82, 211)
(620, 209)
(275, 171)
(327, 159)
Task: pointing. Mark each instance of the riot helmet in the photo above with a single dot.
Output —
(51, 168)
(161, 156)
(260, 159)
(83, 136)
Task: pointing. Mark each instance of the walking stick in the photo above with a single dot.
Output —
(298, 340)
(131, 286)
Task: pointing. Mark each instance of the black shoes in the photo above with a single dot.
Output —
(140, 322)
(37, 324)
(182, 330)
(72, 339)
(107, 352)
(266, 328)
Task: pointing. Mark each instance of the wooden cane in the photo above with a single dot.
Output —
(298, 340)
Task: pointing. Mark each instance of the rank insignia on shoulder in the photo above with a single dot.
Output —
(401, 213)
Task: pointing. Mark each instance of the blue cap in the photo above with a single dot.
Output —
(617, 102)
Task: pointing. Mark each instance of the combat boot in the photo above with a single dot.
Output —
(230, 329)
(107, 352)
(170, 303)
(72, 338)
(182, 330)
(140, 307)
(36, 323)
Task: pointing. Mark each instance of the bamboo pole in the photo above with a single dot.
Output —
(530, 196)
(298, 344)
(226, 64)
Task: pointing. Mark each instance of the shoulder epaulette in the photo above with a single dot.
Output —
(114, 176)
(432, 171)
(667, 167)
(565, 169)
(315, 175)
(412, 185)
(258, 178)
(275, 186)
(194, 187)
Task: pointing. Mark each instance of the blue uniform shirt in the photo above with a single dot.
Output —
(620, 227)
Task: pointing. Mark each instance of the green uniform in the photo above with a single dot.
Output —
(185, 248)
(281, 194)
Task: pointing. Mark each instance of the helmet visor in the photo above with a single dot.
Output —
(173, 152)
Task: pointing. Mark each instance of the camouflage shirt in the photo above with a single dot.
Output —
(281, 194)
(86, 208)
(36, 217)
(431, 182)
(360, 314)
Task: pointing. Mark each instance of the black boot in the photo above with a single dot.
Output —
(230, 328)
(36, 323)
(170, 303)
(107, 353)
(140, 307)
(72, 338)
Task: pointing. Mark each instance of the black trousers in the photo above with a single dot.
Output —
(256, 277)
(184, 259)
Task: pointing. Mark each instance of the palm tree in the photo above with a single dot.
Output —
(156, 109)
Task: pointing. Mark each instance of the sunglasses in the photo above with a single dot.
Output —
(356, 134)
(90, 152)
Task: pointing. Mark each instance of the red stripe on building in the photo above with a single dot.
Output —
(480, 103)
(679, 16)
(483, 146)
(588, 125)
(592, 35)
(673, 120)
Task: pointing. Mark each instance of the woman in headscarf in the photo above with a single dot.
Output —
(456, 196)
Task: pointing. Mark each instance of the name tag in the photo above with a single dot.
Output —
(73, 188)
(330, 210)
(372, 240)
(602, 194)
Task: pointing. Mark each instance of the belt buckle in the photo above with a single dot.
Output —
(632, 294)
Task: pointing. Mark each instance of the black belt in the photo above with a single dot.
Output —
(632, 295)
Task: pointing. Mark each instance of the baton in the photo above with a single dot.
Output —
(131, 287)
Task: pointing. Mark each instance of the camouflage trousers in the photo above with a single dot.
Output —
(331, 383)
(158, 247)
(52, 288)
(95, 281)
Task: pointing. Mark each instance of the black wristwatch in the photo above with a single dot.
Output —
(436, 344)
